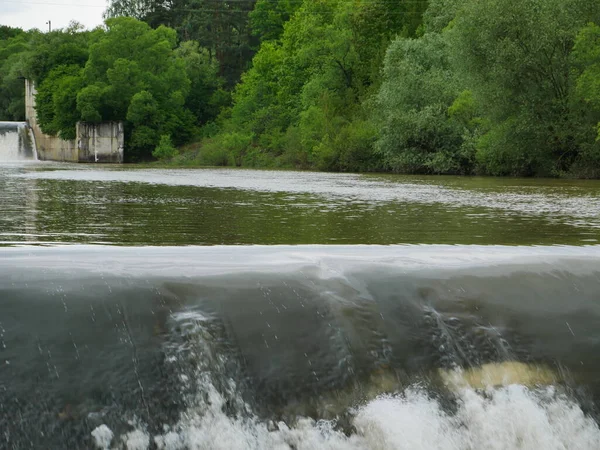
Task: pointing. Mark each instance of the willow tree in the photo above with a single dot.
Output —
(424, 109)
(516, 56)
(586, 58)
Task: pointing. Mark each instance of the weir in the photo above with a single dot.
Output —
(351, 348)
(17, 142)
(94, 142)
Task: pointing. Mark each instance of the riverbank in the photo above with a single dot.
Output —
(194, 156)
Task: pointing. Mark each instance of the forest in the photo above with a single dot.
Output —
(467, 87)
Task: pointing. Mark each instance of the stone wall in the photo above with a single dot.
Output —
(95, 142)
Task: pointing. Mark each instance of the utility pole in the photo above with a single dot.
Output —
(49, 23)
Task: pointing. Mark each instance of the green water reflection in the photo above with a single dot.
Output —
(44, 211)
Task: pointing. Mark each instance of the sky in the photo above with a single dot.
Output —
(29, 14)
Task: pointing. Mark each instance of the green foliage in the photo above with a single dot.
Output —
(226, 149)
(143, 110)
(222, 28)
(165, 148)
(56, 101)
(206, 97)
(268, 17)
(7, 32)
(67, 47)
(137, 9)
(306, 92)
(521, 70)
(353, 147)
(128, 72)
(424, 112)
(489, 89)
(586, 56)
(14, 52)
(90, 102)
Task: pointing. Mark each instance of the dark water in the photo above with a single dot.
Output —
(175, 333)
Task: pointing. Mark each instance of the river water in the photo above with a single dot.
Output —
(145, 308)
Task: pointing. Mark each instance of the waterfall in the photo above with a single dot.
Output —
(17, 142)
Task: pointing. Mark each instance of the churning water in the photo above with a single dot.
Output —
(16, 142)
(311, 347)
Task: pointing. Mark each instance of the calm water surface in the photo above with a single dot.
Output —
(46, 203)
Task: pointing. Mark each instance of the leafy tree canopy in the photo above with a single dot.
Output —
(498, 87)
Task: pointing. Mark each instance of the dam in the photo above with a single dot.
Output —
(95, 142)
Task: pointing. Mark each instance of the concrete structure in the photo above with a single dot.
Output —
(95, 142)
(100, 142)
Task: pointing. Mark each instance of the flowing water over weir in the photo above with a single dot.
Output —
(311, 347)
(16, 142)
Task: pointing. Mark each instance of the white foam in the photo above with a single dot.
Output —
(102, 437)
(16, 139)
(136, 440)
(512, 417)
(507, 418)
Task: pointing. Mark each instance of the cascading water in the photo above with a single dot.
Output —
(17, 142)
(289, 348)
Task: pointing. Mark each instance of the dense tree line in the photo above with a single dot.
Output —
(220, 27)
(498, 87)
(162, 89)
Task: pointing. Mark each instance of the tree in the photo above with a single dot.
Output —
(58, 48)
(14, 53)
(137, 9)
(586, 57)
(131, 73)
(141, 79)
(268, 18)
(7, 32)
(516, 56)
(310, 82)
(165, 148)
(206, 96)
(423, 109)
(220, 27)
(56, 101)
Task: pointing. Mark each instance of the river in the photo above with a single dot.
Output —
(149, 308)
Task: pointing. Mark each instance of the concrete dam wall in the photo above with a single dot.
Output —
(95, 142)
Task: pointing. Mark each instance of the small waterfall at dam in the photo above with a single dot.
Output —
(17, 142)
